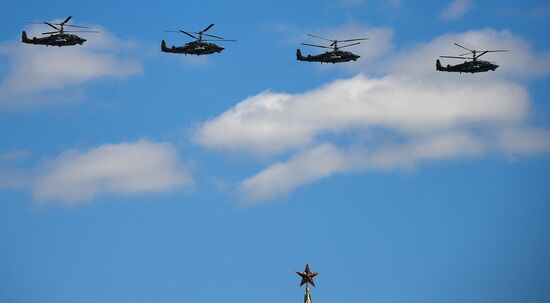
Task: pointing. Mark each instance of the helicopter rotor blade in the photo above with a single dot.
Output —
(53, 26)
(316, 45)
(49, 33)
(495, 51)
(81, 32)
(182, 32)
(350, 44)
(454, 57)
(66, 20)
(480, 54)
(349, 40)
(470, 50)
(212, 36)
(188, 34)
(185, 33)
(79, 26)
(321, 38)
(490, 51)
(207, 28)
(222, 40)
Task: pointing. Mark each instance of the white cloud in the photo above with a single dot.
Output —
(271, 123)
(415, 114)
(456, 9)
(42, 75)
(125, 168)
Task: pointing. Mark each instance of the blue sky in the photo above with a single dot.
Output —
(130, 175)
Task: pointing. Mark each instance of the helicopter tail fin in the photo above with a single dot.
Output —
(163, 46)
(438, 65)
(299, 55)
(24, 37)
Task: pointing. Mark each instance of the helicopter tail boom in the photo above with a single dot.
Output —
(299, 55)
(24, 37)
(438, 65)
(163, 46)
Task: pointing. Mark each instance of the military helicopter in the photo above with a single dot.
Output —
(474, 66)
(197, 47)
(334, 56)
(59, 37)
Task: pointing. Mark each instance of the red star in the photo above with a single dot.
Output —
(307, 276)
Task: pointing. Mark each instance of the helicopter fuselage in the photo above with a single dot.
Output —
(469, 66)
(54, 40)
(336, 56)
(477, 66)
(193, 48)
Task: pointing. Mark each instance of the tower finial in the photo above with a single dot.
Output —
(307, 278)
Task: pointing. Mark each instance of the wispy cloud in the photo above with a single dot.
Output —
(125, 169)
(395, 4)
(456, 9)
(13, 155)
(11, 176)
(12, 179)
(305, 167)
(352, 3)
(322, 161)
(40, 75)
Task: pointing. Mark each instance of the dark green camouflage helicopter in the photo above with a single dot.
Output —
(59, 37)
(334, 56)
(198, 47)
(474, 66)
